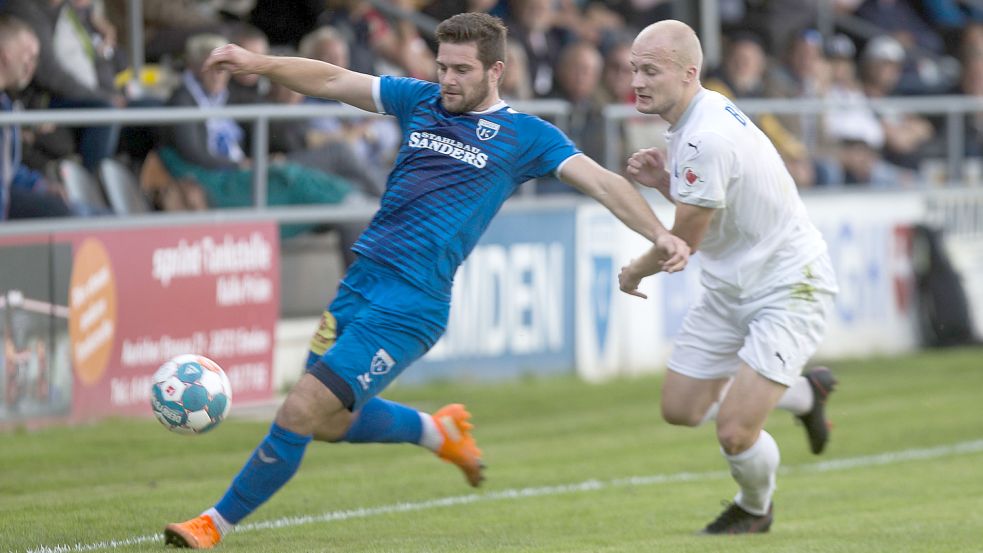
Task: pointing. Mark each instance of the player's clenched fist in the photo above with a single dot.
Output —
(232, 58)
(647, 167)
(674, 252)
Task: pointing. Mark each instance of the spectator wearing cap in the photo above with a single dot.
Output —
(852, 115)
(908, 135)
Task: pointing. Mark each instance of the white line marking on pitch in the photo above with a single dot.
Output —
(961, 448)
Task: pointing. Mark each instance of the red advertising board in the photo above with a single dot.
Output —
(89, 316)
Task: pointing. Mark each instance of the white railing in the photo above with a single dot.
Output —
(953, 108)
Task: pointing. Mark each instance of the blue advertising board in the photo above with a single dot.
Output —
(513, 300)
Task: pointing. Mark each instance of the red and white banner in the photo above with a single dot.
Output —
(90, 316)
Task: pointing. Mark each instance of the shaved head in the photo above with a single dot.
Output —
(673, 41)
(666, 60)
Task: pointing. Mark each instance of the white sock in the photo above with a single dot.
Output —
(223, 526)
(430, 438)
(754, 470)
(798, 398)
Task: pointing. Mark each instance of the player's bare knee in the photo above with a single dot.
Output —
(680, 415)
(298, 414)
(735, 438)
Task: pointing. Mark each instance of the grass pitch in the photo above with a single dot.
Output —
(572, 468)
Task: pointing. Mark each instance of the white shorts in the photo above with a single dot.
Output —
(775, 333)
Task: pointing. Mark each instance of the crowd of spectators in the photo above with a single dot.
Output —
(63, 54)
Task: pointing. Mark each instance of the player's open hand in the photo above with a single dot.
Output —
(673, 251)
(648, 168)
(232, 58)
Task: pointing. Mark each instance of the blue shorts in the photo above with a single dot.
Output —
(377, 325)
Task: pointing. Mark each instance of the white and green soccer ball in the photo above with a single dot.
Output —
(190, 394)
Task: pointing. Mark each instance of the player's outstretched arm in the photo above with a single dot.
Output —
(621, 198)
(306, 76)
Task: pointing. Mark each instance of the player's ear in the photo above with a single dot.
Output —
(497, 70)
(692, 73)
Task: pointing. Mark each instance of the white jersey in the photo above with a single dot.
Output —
(760, 236)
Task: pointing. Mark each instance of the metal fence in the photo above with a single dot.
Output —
(952, 109)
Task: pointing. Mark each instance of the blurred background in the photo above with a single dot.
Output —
(150, 209)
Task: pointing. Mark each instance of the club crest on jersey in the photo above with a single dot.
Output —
(690, 176)
(382, 362)
(486, 130)
(690, 179)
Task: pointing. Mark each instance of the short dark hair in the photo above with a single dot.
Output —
(10, 26)
(486, 31)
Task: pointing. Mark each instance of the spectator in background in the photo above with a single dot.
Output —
(167, 24)
(578, 76)
(616, 89)
(742, 75)
(375, 42)
(371, 142)
(804, 74)
(899, 19)
(249, 89)
(55, 87)
(851, 116)
(859, 163)
(211, 152)
(23, 193)
(531, 22)
(515, 83)
(951, 18)
(907, 135)
(616, 76)
(85, 43)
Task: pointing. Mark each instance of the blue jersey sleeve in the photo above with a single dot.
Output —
(400, 95)
(547, 148)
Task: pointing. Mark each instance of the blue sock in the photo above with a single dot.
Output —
(381, 421)
(272, 464)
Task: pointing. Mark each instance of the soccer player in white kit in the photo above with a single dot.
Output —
(767, 276)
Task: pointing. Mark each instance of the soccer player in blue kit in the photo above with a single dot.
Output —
(464, 152)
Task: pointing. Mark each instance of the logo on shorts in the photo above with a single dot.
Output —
(382, 362)
(486, 130)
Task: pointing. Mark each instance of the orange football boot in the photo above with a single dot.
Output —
(197, 533)
(459, 446)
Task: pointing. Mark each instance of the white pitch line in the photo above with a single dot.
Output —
(962, 448)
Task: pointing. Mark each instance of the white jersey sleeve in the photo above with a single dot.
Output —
(706, 163)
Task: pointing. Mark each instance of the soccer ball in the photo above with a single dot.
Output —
(190, 394)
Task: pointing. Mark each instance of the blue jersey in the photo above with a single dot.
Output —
(452, 174)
